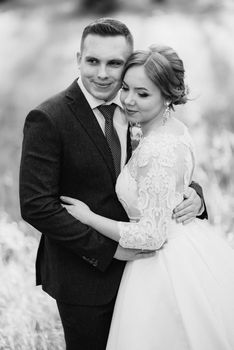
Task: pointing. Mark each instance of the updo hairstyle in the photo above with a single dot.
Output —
(165, 69)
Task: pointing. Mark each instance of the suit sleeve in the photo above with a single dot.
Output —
(39, 194)
(199, 191)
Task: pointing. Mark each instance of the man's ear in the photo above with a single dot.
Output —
(78, 57)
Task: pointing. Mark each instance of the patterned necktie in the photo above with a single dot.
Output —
(111, 134)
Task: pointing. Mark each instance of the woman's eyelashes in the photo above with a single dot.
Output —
(143, 94)
(124, 87)
(140, 94)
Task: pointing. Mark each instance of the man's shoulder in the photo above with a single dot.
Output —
(58, 107)
(56, 101)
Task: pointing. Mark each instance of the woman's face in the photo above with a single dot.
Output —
(141, 98)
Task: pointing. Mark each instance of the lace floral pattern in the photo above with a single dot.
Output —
(162, 168)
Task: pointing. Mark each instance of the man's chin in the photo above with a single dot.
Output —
(103, 96)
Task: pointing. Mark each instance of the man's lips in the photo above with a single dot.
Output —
(102, 85)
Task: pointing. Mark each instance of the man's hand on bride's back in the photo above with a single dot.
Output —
(126, 254)
(189, 209)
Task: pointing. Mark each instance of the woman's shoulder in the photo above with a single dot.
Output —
(162, 143)
(174, 132)
(168, 134)
(175, 127)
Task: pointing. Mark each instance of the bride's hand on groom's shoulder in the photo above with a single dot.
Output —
(76, 208)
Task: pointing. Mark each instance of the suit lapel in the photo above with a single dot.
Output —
(84, 114)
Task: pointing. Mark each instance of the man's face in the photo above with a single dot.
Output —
(101, 64)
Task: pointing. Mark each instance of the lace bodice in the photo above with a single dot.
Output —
(151, 185)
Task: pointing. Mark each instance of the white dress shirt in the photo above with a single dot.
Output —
(119, 120)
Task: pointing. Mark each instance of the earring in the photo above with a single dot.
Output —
(166, 113)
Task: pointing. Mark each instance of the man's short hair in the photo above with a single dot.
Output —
(107, 27)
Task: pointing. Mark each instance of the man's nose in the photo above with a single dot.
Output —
(102, 72)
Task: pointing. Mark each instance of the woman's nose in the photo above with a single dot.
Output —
(129, 99)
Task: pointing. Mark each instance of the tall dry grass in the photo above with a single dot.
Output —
(28, 317)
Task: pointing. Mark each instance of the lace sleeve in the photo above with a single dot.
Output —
(155, 173)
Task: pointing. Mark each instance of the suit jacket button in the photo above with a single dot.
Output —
(95, 262)
(85, 258)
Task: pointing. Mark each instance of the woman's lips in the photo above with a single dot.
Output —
(130, 111)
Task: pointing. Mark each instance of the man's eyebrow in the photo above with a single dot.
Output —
(119, 60)
(91, 57)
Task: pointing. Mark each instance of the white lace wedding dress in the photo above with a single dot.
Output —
(183, 297)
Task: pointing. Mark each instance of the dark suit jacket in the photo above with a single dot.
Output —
(65, 153)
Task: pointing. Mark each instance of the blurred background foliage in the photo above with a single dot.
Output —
(39, 41)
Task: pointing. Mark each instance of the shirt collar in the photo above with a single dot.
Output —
(93, 101)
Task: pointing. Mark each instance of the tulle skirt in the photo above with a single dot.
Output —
(180, 299)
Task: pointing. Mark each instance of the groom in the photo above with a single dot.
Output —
(65, 152)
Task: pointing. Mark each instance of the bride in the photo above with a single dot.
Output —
(182, 297)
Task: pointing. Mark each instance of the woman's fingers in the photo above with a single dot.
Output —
(67, 207)
(68, 200)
